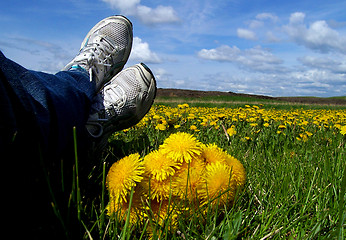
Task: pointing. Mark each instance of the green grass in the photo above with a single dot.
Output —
(294, 189)
(238, 101)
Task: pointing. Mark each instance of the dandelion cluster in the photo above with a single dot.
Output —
(186, 179)
(246, 123)
(182, 175)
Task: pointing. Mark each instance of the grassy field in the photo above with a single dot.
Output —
(234, 101)
(294, 157)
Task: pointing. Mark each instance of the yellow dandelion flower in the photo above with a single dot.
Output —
(196, 163)
(204, 123)
(343, 130)
(162, 212)
(157, 189)
(193, 127)
(123, 175)
(188, 178)
(303, 137)
(213, 123)
(212, 153)
(181, 147)
(156, 117)
(186, 184)
(191, 116)
(231, 131)
(218, 185)
(119, 207)
(182, 106)
(304, 123)
(309, 134)
(238, 174)
(223, 178)
(159, 165)
(161, 127)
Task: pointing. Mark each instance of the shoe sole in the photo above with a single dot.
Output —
(154, 82)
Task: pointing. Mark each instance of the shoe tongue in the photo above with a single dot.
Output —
(98, 37)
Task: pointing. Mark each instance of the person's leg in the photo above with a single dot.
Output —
(37, 114)
(38, 111)
(55, 103)
(59, 102)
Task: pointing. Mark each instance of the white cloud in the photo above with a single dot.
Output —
(261, 19)
(263, 22)
(247, 34)
(141, 52)
(255, 59)
(222, 53)
(326, 63)
(147, 15)
(255, 24)
(271, 37)
(122, 5)
(160, 72)
(265, 16)
(297, 18)
(318, 36)
(160, 14)
(162, 76)
(222, 81)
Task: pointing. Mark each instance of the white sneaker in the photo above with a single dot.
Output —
(123, 101)
(104, 50)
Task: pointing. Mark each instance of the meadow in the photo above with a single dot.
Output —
(294, 157)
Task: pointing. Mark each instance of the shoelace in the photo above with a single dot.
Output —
(111, 100)
(114, 99)
(98, 55)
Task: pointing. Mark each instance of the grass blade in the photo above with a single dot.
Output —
(78, 195)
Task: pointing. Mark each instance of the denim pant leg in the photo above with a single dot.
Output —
(52, 104)
(37, 114)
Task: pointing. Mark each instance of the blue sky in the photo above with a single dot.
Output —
(276, 48)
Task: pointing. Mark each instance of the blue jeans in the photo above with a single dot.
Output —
(37, 114)
(48, 105)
